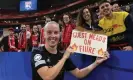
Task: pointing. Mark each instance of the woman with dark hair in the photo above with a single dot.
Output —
(35, 38)
(68, 26)
(85, 20)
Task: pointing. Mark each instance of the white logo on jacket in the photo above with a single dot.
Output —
(38, 61)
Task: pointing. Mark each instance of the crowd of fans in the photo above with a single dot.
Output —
(32, 36)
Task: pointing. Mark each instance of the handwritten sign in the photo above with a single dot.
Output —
(88, 43)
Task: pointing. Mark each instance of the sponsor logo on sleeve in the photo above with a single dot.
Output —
(38, 61)
(37, 57)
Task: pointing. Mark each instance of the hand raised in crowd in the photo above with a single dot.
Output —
(127, 48)
(19, 50)
(99, 60)
(12, 47)
(68, 52)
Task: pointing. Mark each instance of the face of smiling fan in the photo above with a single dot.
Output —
(66, 19)
(86, 14)
(23, 28)
(115, 8)
(35, 29)
(106, 9)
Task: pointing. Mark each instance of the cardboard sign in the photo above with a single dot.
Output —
(88, 43)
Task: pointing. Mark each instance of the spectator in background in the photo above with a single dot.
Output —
(10, 42)
(24, 37)
(41, 29)
(67, 31)
(28, 28)
(118, 26)
(47, 19)
(35, 38)
(129, 10)
(116, 8)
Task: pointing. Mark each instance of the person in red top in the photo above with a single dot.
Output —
(68, 26)
(41, 29)
(42, 41)
(35, 38)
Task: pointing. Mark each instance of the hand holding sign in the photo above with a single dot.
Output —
(99, 60)
(68, 52)
(89, 43)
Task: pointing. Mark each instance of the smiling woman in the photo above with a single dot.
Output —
(48, 63)
(85, 19)
(52, 34)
